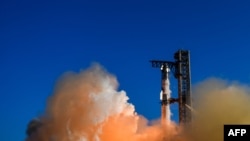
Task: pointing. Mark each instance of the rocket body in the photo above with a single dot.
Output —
(165, 91)
(165, 95)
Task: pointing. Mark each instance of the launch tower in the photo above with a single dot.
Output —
(181, 71)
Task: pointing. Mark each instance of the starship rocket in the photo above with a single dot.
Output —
(165, 94)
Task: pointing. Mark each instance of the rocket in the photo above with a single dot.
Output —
(164, 95)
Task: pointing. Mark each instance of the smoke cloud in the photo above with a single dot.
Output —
(87, 106)
(218, 102)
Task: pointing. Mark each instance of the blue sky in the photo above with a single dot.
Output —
(40, 40)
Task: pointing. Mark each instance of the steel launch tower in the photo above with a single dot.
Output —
(181, 71)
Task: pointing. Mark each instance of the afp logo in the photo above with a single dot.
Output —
(236, 132)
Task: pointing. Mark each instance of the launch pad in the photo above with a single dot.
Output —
(181, 71)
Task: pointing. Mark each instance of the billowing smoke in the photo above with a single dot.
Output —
(218, 102)
(87, 106)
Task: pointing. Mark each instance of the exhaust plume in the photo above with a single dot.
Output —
(87, 106)
(218, 102)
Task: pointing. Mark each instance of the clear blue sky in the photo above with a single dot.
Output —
(40, 40)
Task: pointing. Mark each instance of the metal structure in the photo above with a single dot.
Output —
(181, 70)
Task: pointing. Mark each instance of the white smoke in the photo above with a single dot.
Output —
(86, 106)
